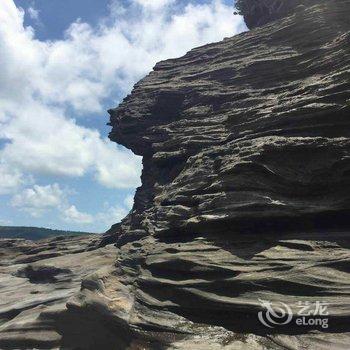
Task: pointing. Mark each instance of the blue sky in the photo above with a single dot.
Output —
(64, 63)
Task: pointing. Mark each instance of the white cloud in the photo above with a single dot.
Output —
(41, 137)
(33, 13)
(37, 200)
(129, 201)
(53, 144)
(84, 68)
(115, 168)
(111, 215)
(154, 4)
(101, 220)
(10, 179)
(72, 214)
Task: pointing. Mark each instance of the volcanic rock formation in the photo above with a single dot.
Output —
(36, 281)
(245, 200)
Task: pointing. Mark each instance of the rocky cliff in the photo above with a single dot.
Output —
(245, 201)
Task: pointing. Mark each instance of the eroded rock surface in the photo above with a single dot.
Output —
(245, 196)
(36, 281)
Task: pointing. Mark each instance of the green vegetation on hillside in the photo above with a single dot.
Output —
(34, 233)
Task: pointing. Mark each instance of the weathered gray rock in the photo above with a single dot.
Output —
(245, 196)
(36, 281)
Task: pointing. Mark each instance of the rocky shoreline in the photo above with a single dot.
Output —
(244, 201)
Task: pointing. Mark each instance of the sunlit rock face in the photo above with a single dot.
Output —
(245, 199)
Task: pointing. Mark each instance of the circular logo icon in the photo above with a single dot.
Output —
(275, 314)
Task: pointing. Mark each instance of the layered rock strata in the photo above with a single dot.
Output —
(36, 281)
(245, 199)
